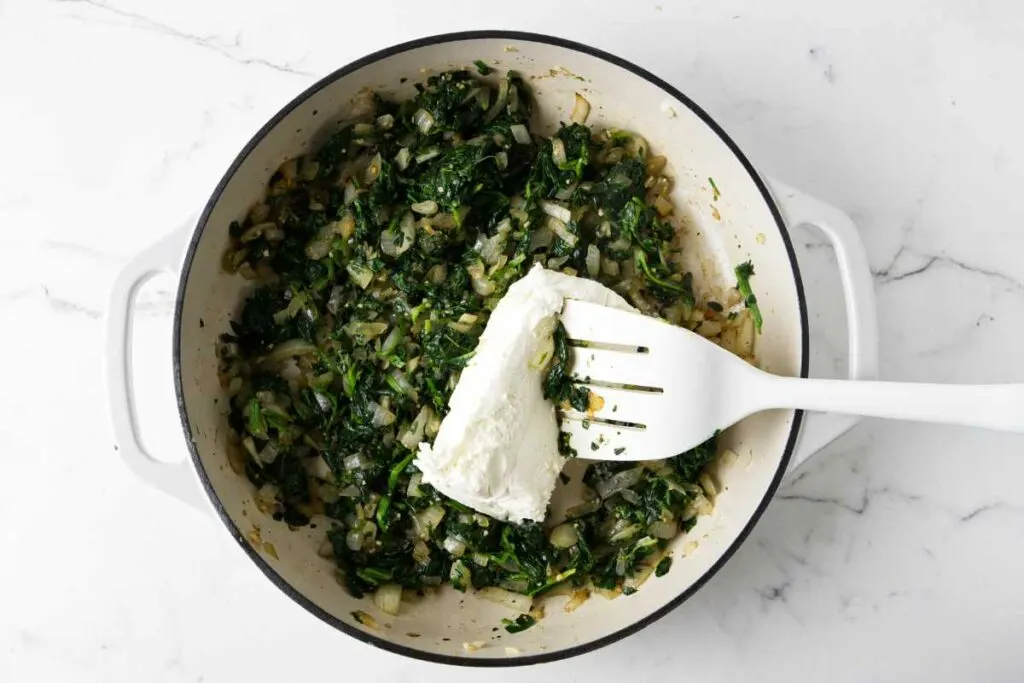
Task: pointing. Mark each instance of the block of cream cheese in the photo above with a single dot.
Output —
(497, 448)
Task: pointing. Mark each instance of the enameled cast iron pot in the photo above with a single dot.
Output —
(747, 221)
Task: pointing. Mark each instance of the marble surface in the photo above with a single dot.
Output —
(895, 554)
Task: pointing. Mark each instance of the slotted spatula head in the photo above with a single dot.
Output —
(661, 389)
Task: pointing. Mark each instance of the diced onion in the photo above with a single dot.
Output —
(464, 323)
(413, 490)
(318, 247)
(566, 192)
(544, 354)
(427, 155)
(460, 576)
(250, 446)
(385, 121)
(499, 103)
(663, 206)
(637, 146)
(356, 461)
(256, 231)
(481, 285)
(354, 539)
(420, 552)
(373, 169)
(405, 385)
(514, 601)
(492, 248)
(350, 193)
(360, 274)
(562, 230)
(558, 152)
(363, 332)
(501, 160)
(437, 274)
(483, 97)
(584, 508)
(728, 458)
(424, 120)
(403, 158)
(708, 484)
(428, 520)
(609, 266)
(580, 109)
(541, 238)
(394, 244)
(556, 210)
(336, 297)
(663, 529)
(266, 497)
(557, 262)
(427, 208)
(388, 598)
(268, 455)
(621, 532)
(619, 481)
(364, 104)
(391, 341)
(290, 348)
(611, 156)
(630, 496)
(520, 133)
(513, 99)
(414, 433)
(703, 505)
(709, 328)
(577, 598)
(382, 417)
(517, 586)
(433, 425)
(593, 260)
(640, 575)
(564, 536)
(455, 546)
(655, 165)
(351, 491)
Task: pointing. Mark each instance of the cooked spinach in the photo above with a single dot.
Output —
(376, 261)
(559, 387)
(744, 272)
(520, 623)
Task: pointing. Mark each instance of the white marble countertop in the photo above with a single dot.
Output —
(895, 555)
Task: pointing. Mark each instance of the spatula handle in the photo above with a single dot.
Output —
(995, 406)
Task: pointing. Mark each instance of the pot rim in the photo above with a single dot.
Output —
(261, 562)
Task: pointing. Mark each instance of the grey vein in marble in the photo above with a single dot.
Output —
(213, 43)
(926, 262)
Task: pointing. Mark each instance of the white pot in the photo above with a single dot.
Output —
(747, 221)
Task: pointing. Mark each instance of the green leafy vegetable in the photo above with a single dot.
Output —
(520, 623)
(558, 385)
(744, 272)
(376, 261)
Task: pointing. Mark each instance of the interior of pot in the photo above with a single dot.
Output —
(717, 230)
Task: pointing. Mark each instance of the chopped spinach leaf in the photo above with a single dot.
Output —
(744, 272)
(520, 623)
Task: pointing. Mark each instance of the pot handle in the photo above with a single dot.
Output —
(173, 478)
(797, 208)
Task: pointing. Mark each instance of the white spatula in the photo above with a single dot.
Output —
(666, 389)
